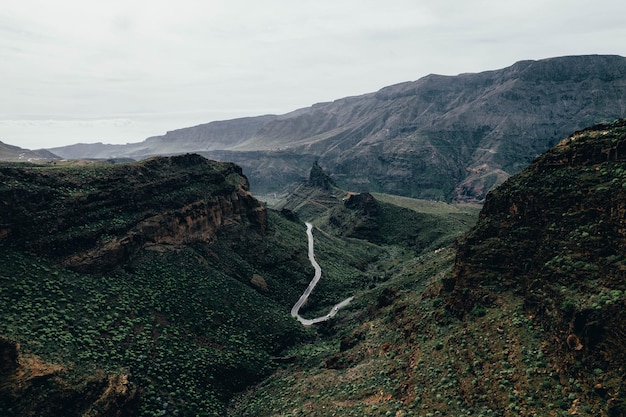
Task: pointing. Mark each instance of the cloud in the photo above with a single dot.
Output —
(95, 60)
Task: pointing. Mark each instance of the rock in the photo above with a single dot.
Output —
(31, 386)
(365, 203)
(258, 282)
(318, 178)
(98, 218)
(288, 214)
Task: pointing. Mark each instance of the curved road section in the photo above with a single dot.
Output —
(303, 298)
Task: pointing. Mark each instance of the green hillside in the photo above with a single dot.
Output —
(526, 317)
(521, 313)
(163, 287)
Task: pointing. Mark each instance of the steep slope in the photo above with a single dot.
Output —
(98, 217)
(152, 288)
(554, 235)
(115, 267)
(527, 320)
(26, 377)
(440, 137)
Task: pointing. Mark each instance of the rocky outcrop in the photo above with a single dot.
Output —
(555, 235)
(99, 215)
(258, 282)
(363, 202)
(357, 217)
(318, 178)
(30, 386)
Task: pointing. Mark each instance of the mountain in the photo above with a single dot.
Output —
(440, 137)
(132, 289)
(17, 154)
(525, 316)
(554, 236)
(163, 286)
(125, 286)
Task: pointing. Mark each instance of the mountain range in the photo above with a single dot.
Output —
(163, 287)
(449, 138)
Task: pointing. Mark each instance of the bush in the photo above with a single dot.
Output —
(478, 310)
(568, 307)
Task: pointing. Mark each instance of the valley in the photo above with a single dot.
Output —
(182, 305)
(307, 293)
(476, 223)
(520, 317)
(176, 286)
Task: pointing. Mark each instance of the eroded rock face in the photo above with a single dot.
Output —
(30, 386)
(98, 216)
(318, 178)
(555, 234)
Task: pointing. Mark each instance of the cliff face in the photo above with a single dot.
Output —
(25, 377)
(97, 217)
(555, 235)
(141, 288)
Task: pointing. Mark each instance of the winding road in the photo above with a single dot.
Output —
(303, 298)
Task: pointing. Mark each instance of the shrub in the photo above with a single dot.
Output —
(568, 307)
(478, 310)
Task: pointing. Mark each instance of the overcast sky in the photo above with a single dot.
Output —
(119, 71)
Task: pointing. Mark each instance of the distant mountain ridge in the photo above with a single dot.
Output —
(16, 154)
(440, 137)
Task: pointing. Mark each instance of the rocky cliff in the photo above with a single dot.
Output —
(24, 377)
(145, 288)
(97, 217)
(555, 235)
(440, 137)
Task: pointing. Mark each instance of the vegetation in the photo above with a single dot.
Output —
(187, 333)
(525, 319)
(524, 315)
(184, 321)
(188, 322)
(392, 364)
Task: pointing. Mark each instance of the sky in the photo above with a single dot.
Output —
(119, 71)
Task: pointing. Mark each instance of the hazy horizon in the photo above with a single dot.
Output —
(114, 72)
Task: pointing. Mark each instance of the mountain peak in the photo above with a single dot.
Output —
(318, 178)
